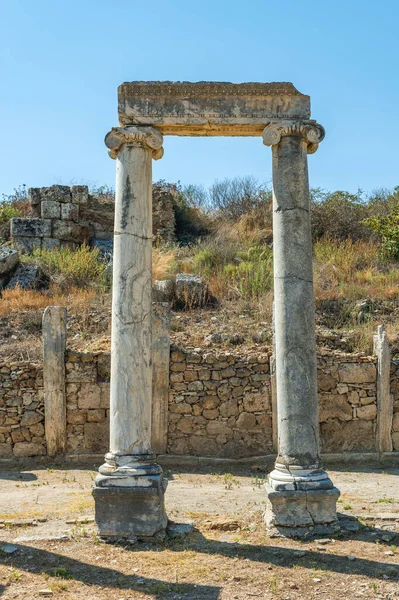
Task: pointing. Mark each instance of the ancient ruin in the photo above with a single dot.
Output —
(129, 490)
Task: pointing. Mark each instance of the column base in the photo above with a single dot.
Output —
(129, 498)
(301, 513)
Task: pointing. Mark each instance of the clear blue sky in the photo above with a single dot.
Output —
(62, 60)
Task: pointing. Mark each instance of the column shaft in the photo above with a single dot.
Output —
(294, 307)
(131, 369)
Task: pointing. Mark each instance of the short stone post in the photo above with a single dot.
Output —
(54, 344)
(384, 396)
(300, 493)
(160, 375)
(129, 489)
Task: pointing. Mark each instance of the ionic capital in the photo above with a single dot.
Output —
(136, 136)
(311, 131)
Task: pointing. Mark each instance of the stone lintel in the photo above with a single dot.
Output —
(209, 108)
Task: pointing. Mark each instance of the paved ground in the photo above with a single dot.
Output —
(47, 516)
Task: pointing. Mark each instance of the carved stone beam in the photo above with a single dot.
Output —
(145, 136)
(311, 131)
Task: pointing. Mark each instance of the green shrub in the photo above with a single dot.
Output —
(66, 267)
(8, 211)
(388, 228)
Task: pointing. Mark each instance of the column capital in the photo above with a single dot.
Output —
(310, 130)
(148, 137)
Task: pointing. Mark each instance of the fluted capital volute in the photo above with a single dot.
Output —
(310, 130)
(134, 135)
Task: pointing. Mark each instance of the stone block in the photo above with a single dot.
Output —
(96, 415)
(27, 245)
(9, 258)
(105, 391)
(325, 381)
(29, 449)
(334, 406)
(80, 194)
(37, 429)
(352, 436)
(163, 290)
(190, 291)
(89, 396)
(203, 446)
(257, 402)
(76, 417)
(368, 413)
(27, 277)
(35, 228)
(395, 422)
(5, 450)
(292, 513)
(56, 193)
(35, 196)
(395, 441)
(50, 243)
(218, 428)
(68, 231)
(96, 437)
(229, 408)
(31, 417)
(130, 512)
(81, 372)
(50, 209)
(357, 373)
(246, 421)
(69, 211)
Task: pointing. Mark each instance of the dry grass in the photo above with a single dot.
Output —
(163, 261)
(353, 270)
(20, 300)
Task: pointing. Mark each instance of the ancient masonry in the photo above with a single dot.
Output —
(205, 403)
(68, 216)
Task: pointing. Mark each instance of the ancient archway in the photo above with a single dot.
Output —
(129, 490)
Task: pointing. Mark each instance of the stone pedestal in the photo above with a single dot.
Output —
(129, 490)
(298, 480)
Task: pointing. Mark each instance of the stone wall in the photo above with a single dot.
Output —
(395, 393)
(68, 216)
(219, 404)
(347, 402)
(21, 410)
(87, 402)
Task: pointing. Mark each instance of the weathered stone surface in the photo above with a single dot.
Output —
(325, 382)
(29, 449)
(395, 440)
(352, 436)
(50, 243)
(190, 291)
(209, 108)
(34, 195)
(50, 209)
(30, 227)
(56, 193)
(27, 245)
(246, 421)
(80, 194)
(69, 231)
(27, 277)
(30, 417)
(334, 406)
(369, 412)
(9, 259)
(357, 373)
(163, 290)
(89, 396)
(5, 450)
(69, 211)
(395, 422)
(96, 436)
(257, 402)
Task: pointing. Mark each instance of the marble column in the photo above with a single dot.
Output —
(129, 489)
(301, 496)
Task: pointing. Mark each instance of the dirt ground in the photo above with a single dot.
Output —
(49, 546)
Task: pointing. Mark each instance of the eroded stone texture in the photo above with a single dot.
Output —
(209, 108)
(129, 489)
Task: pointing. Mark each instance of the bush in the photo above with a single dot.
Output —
(388, 228)
(338, 215)
(233, 198)
(66, 267)
(191, 220)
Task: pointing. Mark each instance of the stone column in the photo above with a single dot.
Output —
(300, 493)
(54, 345)
(384, 396)
(129, 490)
